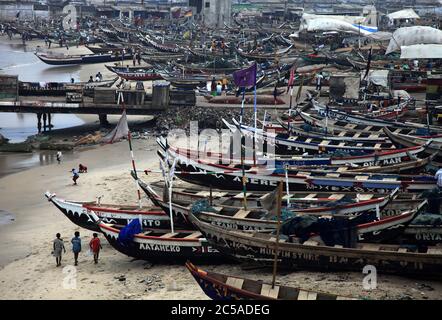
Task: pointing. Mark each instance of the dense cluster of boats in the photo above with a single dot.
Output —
(335, 186)
(346, 202)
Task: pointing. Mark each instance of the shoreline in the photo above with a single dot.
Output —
(27, 269)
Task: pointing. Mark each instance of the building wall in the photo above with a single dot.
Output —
(217, 12)
(8, 11)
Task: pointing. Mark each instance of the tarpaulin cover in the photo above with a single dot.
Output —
(127, 234)
(403, 14)
(422, 51)
(327, 24)
(377, 77)
(408, 36)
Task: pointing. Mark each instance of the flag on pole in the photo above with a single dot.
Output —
(246, 77)
(120, 131)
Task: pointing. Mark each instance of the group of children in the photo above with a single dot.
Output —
(75, 174)
(59, 248)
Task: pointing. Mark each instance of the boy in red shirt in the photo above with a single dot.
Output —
(95, 246)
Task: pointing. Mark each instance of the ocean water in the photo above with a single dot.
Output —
(18, 60)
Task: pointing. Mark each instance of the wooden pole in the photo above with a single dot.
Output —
(278, 227)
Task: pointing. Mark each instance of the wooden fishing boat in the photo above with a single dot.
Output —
(162, 245)
(263, 57)
(408, 80)
(58, 60)
(138, 74)
(368, 230)
(223, 287)
(429, 235)
(259, 247)
(162, 47)
(184, 197)
(260, 99)
(346, 129)
(312, 204)
(60, 89)
(287, 144)
(335, 114)
(266, 179)
(407, 140)
(398, 160)
(80, 213)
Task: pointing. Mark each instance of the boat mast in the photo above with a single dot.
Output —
(278, 227)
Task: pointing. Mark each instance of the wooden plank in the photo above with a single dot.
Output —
(434, 251)
(203, 194)
(194, 235)
(219, 194)
(169, 235)
(336, 196)
(365, 197)
(303, 295)
(241, 195)
(241, 214)
(361, 178)
(311, 243)
(402, 250)
(267, 291)
(370, 247)
(235, 282)
(312, 295)
(333, 175)
(311, 196)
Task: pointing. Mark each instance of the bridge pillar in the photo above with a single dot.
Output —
(50, 121)
(39, 122)
(103, 120)
(44, 122)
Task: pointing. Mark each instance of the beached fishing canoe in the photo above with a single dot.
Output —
(136, 74)
(162, 245)
(80, 213)
(345, 128)
(266, 179)
(58, 60)
(219, 286)
(259, 247)
(288, 144)
(394, 161)
(408, 141)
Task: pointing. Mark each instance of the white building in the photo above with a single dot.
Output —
(214, 13)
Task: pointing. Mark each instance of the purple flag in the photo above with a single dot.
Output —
(245, 77)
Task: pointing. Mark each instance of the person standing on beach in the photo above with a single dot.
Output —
(76, 246)
(75, 176)
(59, 156)
(58, 248)
(95, 246)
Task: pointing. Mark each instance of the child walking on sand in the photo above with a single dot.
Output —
(95, 246)
(76, 246)
(58, 247)
(75, 176)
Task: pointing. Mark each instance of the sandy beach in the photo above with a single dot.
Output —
(28, 270)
